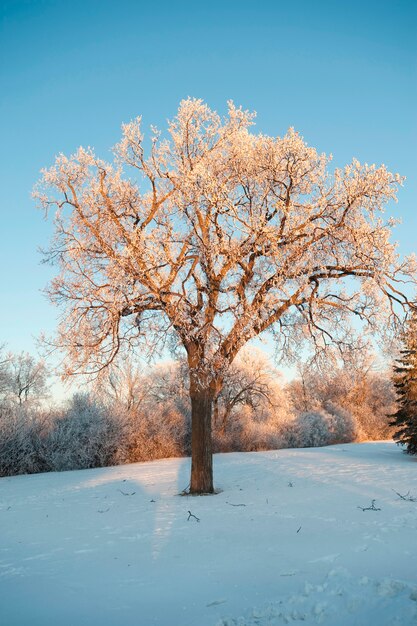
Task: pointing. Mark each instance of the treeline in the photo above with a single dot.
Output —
(129, 416)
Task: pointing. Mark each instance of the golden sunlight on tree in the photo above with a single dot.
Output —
(210, 237)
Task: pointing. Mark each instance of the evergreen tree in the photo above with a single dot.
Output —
(405, 381)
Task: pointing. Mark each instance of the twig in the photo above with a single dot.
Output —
(407, 497)
(230, 504)
(290, 484)
(190, 515)
(125, 493)
(216, 603)
(369, 508)
(103, 510)
(298, 530)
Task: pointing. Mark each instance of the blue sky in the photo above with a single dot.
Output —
(343, 74)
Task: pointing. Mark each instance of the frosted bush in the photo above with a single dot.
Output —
(84, 436)
(322, 427)
(288, 434)
(343, 425)
(366, 395)
(313, 429)
(21, 446)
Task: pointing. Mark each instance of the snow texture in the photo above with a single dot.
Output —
(284, 542)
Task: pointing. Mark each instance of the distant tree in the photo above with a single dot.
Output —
(122, 383)
(169, 394)
(405, 381)
(168, 382)
(223, 235)
(250, 381)
(28, 377)
(4, 372)
(23, 378)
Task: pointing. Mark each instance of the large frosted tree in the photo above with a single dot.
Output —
(210, 235)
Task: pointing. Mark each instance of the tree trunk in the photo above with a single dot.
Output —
(201, 440)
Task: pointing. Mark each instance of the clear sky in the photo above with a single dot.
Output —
(342, 73)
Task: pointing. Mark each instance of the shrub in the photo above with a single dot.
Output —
(85, 435)
(313, 429)
(342, 424)
(159, 432)
(21, 441)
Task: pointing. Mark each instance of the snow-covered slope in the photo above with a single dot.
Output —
(284, 542)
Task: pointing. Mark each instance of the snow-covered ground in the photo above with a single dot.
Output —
(284, 542)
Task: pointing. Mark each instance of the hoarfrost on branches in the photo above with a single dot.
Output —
(214, 236)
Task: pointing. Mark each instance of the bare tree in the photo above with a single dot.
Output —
(4, 371)
(217, 236)
(122, 383)
(250, 381)
(24, 378)
(168, 381)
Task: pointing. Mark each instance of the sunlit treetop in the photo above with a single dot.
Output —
(210, 234)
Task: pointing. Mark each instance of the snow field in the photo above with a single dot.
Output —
(284, 542)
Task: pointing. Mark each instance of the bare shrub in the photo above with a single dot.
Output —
(21, 441)
(159, 433)
(248, 430)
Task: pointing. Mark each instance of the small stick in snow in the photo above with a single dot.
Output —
(190, 515)
(298, 530)
(101, 510)
(290, 484)
(407, 497)
(369, 508)
(125, 493)
(230, 504)
(216, 603)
